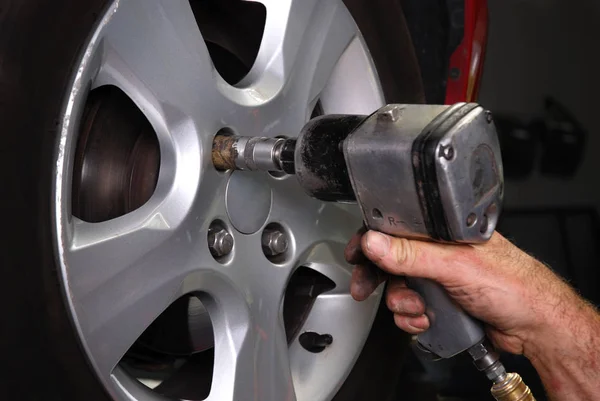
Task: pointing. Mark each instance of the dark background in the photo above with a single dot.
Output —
(540, 48)
(537, 50)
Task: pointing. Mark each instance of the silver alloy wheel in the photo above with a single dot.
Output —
(120, 274)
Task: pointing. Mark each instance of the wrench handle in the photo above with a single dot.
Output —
(451, 329)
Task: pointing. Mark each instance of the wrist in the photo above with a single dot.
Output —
(559, 317)
(565, 349)
(554, 307)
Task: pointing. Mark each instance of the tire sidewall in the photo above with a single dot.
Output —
(41, 42)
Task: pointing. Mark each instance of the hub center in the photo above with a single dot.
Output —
(248, 201)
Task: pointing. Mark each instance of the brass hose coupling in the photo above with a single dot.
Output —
(511, 388)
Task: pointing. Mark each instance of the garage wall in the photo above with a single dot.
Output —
(547, 47)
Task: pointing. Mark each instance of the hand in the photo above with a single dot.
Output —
(514, 294)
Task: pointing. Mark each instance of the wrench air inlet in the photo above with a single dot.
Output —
(512, 388)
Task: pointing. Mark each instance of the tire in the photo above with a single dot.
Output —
(40, 43)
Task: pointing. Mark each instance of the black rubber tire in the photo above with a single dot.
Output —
(40, 41)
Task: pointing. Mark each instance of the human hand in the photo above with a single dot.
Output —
(496, 282)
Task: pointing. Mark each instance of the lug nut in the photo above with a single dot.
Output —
(274, 242)
(220, 242)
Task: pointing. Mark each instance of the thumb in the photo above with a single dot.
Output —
(401, 256)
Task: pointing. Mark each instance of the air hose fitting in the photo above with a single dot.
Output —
(511, 388)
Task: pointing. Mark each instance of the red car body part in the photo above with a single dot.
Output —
(466, 62)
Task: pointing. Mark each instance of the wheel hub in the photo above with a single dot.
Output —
(248, 201)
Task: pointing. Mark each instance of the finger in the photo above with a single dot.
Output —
(404, 301)
(353, 252)
(401, 256)
(365, 279)
(412, 325)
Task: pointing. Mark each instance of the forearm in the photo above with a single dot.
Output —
(566, 353)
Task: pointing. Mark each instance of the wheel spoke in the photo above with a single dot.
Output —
(153, 50)
(364, 95)
(321, 231)
(334, 312)
(328, 259)
(123, 273)
(345, 320)
(255, 366)
(302, 41)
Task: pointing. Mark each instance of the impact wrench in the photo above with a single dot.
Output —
(424, 172)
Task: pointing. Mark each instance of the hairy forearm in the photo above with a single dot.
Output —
(566, 352)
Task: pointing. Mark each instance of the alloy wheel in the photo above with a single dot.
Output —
(122, 270)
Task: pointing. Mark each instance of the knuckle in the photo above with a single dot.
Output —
(404, 302)
(389, 301)
(395, 302)
(412, 307)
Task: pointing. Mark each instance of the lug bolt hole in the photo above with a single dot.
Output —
(315, 342)
(377, 214)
